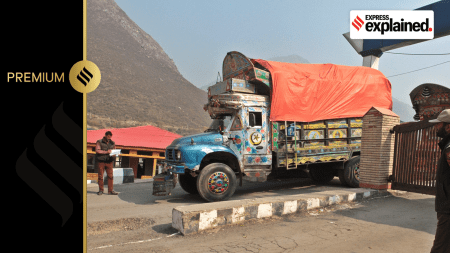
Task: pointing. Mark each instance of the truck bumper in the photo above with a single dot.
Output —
(175, 168)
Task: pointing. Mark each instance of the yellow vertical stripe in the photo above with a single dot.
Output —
(84, 140)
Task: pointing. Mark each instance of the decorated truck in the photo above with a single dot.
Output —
(272, 119)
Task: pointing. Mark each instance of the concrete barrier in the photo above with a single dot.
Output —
(195, 218)
(121, 176)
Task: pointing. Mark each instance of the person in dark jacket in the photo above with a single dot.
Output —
(442, 204)
(105, 161)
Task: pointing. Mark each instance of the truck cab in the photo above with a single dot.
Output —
(236, 142)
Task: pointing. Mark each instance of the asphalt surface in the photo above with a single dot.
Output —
(136, 221)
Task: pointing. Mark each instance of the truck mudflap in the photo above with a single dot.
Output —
(164, 183)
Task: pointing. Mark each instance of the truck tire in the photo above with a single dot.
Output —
(342, 177)
(351, 172)
(216, 182)
(322, 173)
(188, 183)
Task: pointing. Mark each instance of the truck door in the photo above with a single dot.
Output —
(257, 131)
(236, 131)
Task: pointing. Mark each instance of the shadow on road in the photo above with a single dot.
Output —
(273, 188)
(166, 229)
(416, 212)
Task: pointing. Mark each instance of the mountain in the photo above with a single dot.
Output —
(290, 59)
(405, 111)
(140, 83)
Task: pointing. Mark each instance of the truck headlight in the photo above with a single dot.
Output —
(178, 155)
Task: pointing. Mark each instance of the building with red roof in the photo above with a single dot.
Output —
(141, 147)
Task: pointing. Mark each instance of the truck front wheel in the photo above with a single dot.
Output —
(188, 183)
(216, 182)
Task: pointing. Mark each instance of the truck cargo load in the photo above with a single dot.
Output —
(312, 92)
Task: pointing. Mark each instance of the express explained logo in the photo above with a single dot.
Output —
(392, 24)
(358, 23)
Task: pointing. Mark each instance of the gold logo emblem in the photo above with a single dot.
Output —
(84, 76)
(256, 138)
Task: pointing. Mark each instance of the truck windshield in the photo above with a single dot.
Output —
(219, 124)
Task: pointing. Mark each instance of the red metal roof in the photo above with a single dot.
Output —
(142, 136)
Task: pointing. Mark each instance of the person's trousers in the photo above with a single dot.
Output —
(442, 239)
(109, 173)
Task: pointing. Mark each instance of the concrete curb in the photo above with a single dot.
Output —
(195, 218)
(120, 176)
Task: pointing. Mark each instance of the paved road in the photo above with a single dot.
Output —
(136, 221)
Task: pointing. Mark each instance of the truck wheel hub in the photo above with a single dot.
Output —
(218, 182)
(357, 172)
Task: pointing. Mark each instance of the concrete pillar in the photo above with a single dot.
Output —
(377, 148)
(371, 61)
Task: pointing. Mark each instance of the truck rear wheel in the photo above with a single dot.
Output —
(322, 173)
(188, 183)
(342, 177)
(351, 172)
(216, 182)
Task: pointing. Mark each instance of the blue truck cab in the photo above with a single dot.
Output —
(236, 141)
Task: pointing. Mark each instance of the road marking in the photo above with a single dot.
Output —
(313, 203)
(264, 210)
(126, 243)
(290, 207)
(207, 220)
(238, 214)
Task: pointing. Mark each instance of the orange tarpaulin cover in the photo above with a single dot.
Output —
(311, 92)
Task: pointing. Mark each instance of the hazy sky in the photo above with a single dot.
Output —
(197, 35)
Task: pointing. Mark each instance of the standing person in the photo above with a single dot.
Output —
(442, 205)
(105, 161)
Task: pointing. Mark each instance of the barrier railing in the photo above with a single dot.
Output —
(416, 155)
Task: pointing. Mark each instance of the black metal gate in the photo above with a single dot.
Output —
(416, 155)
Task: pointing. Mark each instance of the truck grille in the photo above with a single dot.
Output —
(170, 154)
